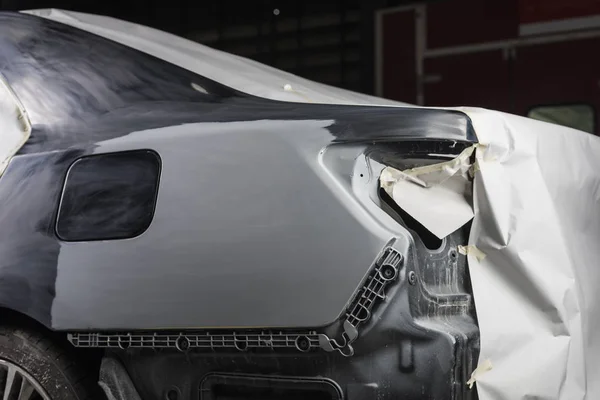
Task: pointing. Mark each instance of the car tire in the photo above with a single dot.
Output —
(50, 371)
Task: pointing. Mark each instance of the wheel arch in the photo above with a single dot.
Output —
(48, 357)
(13, 318)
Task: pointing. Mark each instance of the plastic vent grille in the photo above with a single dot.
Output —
(386, 271)
(373, 290)
(208, 341)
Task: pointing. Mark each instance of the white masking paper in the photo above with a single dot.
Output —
(15, 127)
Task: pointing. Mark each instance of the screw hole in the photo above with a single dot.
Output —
(182, 343)
(412, 277)
(361, 175)
(302, 343)
(387, 272)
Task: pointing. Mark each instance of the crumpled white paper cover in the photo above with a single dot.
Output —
(537, 290)
(15, 127)
(533, 251)
(536, 224)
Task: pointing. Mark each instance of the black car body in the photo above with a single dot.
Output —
(215, 245)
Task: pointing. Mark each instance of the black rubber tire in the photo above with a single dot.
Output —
(53, 366)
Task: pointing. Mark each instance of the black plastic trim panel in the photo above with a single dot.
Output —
(299, 387)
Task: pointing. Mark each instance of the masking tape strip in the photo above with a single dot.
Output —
(484, 154)
(474, 169)
(480, 370)
(473, 250)
(390, 175)
(444, 170)
(452, 165)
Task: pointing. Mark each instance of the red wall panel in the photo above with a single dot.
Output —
(460, 22)
(567, 72)
(477, 79)
(546, 10)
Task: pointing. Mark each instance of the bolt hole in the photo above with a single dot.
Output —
(302, 343)
(412, 277)
(182, 343)
(361, 175)
(388, 272)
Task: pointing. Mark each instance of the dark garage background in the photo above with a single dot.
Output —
(328, 41)
(531, 57)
